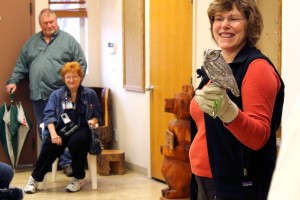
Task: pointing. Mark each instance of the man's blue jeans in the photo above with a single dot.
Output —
(38, 110)
(65, 159)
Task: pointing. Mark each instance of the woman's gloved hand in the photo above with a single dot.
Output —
(214, 101)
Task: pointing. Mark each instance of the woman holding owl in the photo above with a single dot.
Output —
(233, 152)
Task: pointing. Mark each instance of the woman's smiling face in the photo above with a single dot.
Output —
(229, 30)
(72, 80)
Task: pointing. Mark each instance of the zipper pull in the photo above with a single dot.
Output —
(245, 171)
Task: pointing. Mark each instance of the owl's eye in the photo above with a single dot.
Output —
(213, 53)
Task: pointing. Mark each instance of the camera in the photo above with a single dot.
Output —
(69, 128)
(65, 118)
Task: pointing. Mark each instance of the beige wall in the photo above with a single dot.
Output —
(202, 37)
(290, 55)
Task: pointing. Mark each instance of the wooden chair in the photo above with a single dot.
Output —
(106, 129)
(105, 135)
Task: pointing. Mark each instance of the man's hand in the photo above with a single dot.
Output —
(11, 88)
(214, 101)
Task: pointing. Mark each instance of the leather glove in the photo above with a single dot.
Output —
(214, 101)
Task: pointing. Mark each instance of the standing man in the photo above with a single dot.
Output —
(42, 57)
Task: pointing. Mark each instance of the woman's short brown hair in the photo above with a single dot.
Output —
(249, 8)
(71, 67)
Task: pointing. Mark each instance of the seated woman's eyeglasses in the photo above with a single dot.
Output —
(71, 77)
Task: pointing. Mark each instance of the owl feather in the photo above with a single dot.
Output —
(219, 72)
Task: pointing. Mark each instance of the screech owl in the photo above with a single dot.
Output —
(218, 71)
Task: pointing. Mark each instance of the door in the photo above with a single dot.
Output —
(170, 66)
(16, 25)
(270, 42)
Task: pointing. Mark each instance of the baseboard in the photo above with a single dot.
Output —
(136, 168)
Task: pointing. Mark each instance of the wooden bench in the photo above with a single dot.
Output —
(111, 162)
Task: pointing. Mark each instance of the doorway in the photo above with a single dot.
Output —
(16, 22)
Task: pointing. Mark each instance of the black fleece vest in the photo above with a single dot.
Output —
(239, 172)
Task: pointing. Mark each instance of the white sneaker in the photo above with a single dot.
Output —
(75, 185)
(31, 186)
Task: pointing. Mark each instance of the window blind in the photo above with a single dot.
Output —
(69, 8)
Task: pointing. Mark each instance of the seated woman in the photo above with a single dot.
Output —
(68, 114)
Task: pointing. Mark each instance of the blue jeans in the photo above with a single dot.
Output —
(65, 159)
(38, 110)
(6, 175)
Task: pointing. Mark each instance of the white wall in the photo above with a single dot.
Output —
(93, 77)
(290, 56)
(201, 36)
(39, 5)
(131, 109)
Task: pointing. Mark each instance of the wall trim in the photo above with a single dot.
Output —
(136, 168)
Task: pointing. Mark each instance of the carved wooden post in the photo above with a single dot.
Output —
(176, 166)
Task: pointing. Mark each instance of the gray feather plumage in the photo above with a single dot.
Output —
(218, 71)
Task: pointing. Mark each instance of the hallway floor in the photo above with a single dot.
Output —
(130, 186)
